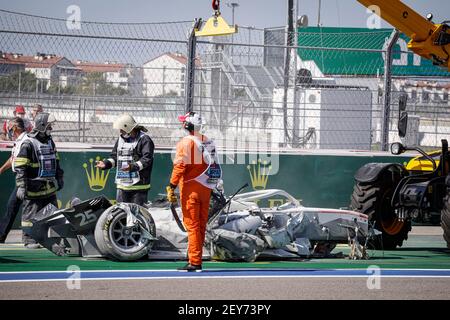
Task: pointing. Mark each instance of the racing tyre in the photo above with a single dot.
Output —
(117, 241)
(445, 218)
(374, 200)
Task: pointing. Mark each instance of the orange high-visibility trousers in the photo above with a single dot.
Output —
(195, 206)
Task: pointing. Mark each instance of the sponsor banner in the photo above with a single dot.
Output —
(316, 180)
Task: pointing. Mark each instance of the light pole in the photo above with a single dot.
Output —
(250, 28)
(318, 14)
(232, 5)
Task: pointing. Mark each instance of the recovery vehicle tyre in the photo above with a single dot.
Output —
(117, 241)
(374, 200)
(445, 218)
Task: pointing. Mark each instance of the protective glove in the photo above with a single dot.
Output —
(130, 167)
(171, 197)
(60, 182)
(133, 167)
(20, 194)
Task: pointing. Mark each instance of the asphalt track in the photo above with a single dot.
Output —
(418, 270)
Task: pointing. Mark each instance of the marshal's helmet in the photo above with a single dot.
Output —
(191, 121)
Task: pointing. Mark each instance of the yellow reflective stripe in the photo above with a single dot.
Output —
(135, 187)
(18, 162)
(41, 193)
(25, 161)
(27, 224)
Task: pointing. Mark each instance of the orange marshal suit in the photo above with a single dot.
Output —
(188, 165)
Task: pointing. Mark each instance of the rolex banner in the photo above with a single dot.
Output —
(316, 180)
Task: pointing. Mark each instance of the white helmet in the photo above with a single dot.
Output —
(192, 121)
(125, 122)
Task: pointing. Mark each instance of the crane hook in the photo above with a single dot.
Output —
(216, 4)
(216, 7)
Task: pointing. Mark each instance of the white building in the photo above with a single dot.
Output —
(48, 68)
(165, 75)
(116, 74)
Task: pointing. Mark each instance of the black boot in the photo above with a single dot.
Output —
(191, 268)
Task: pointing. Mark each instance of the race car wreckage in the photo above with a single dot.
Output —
(238, 229)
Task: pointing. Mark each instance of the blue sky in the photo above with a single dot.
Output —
(257, 13)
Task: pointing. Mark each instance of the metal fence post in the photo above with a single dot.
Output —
(287, 64)
(221, 124)
(19, 87)
(190, 70)
(79, 119)
(295, 104)
(84, 120)
(387, 90)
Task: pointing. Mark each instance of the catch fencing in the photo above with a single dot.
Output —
(314, 88)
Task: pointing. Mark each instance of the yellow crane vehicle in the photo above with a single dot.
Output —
(391, 194)
(428, 40)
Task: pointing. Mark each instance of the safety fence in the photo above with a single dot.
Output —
(315, 88)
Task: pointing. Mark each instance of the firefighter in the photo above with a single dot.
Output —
(133, 156)
(196, 171)
(18, 133)
(38, 173)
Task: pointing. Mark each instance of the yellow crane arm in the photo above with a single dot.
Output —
(429, 40)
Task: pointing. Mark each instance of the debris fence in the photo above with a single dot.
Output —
(314, 88)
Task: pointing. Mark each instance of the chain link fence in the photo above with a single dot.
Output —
(90, 74)
(315, 88)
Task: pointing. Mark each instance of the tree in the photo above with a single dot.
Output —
(23, 79)
(55, 89)
(95, 84)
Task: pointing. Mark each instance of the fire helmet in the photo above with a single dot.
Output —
(127, 123)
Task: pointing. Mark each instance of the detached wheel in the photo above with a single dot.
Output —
(117, 241)
(374, 200)
(445, 218)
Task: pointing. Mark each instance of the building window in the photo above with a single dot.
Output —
(437, 96)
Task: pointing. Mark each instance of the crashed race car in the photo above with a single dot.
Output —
(238, 229)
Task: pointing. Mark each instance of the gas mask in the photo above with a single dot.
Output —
(126, 135)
